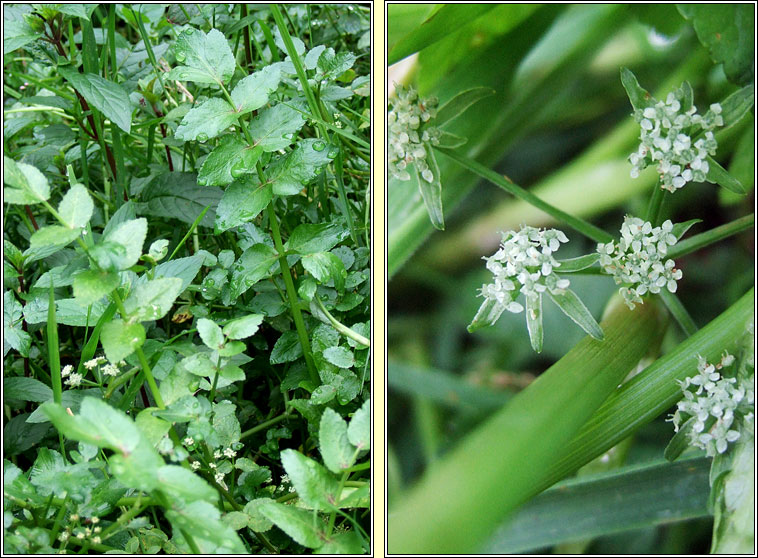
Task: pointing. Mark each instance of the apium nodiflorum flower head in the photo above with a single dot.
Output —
(719, 406)
(666, 139)
(524, 264)
(411, 130)
(637, 261)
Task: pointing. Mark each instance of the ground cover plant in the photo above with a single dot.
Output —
(186, 278)
(600, 160)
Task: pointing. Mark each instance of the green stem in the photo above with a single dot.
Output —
(343, 329)
(655, 205)
(264, 425)
(580, 225)
(679, 312)
(709, 237)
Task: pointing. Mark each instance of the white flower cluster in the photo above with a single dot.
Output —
(715, 405)
(524, 264)
(666, 139)
(409, 124)
(638, 259)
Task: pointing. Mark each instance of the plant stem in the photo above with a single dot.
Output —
(264, 425)
(580, 225)
(656, 202)
(343, 329)
(679, 312)
(709, 237)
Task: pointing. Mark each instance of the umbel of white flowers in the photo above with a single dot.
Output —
(715, 406)
(637, 261)
(410, 128)
(524, 265)
(666, 136)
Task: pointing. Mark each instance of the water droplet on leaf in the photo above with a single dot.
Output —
(236, 173)
(202, 138)
(180, 56)
(319, 145)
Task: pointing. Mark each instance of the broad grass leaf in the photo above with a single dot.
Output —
(316, 486)
(333, 442)
(25, 184)
(120, 339)
(106, 96)
(275, 128)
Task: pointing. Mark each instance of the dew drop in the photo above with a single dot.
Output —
(332, 153)
(236, 173)
(288, 136)
(210, 282)
(202, 138)
(319, 145)
(180, 57)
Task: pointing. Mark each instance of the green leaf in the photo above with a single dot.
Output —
(131, 236)
(534, 321)
(736, 105)
(359, 430)
(571, 265)
(332, 65)
(13, 334)
(317, 487)
(727, 31)
(574, 308)
(336, 449)
(638, 96)
(48, 240)
(242, 202)
(458, 104)
(252, 92)
(152, 300)
(718, 175)
(308, 238)
(242, 328)
(441, 22)
(68, 312)
(340, 357)
(206, 121)
(534, 428)
(206, 58)
(451, 141)
(177, 195)
(631, 498)
(210, 333)
(292, 173)
(345, 542)
(26, 185)
(182, 483)
(297, 523)
(680, 229)
(275, 128)
(431, 192)
(16, 34)
(287, 348)
(106, 96)
(227, 161)
(185, 269)
(26, 389)
(203, 521)
(76, 207)
(120, 339)
(734, 502)
(77, 10)
(92, 285)
(324, 266)
(252, 266)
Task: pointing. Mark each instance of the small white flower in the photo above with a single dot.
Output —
(188, 441)
(212, 465)
(74, 380)
(217, 454)
(195, 465)
(96, 540)
(80, 535)
(410, 128)
(66, 370)
(94, 519)
(229, 452)
(110, 370)
(63, 537)
(74, 517)
(90, 364)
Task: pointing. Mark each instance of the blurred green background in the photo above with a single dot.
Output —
(559, 125)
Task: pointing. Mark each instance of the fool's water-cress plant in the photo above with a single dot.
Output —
(716, 413)
(199, 400)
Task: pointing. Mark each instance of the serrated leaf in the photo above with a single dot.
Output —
(324, 266)
(48, 240)
(458, 104)
(13, 334)
(719, 175)
(332, 65)
(230, 157)
(120, 339)
(26, 389)
(252, 92)
(177, 195)
(340, 357)
(210, 333)
(242, 328)
(571, 305)
(242, 202)
(206, 120)
(252, 266)
(25, 183)
(336, 450)
(275, 128)
(313, 483)
(431, 191)
(321, 237)
(152, 300)
(359, 430)
(286, 349)
(16, 34)
(76, 207)
(185, 269)
(292, 173)
(92, 285)
(106, 96)
(297, 523)
(203, 521)
(131, 236)
(206, 58)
